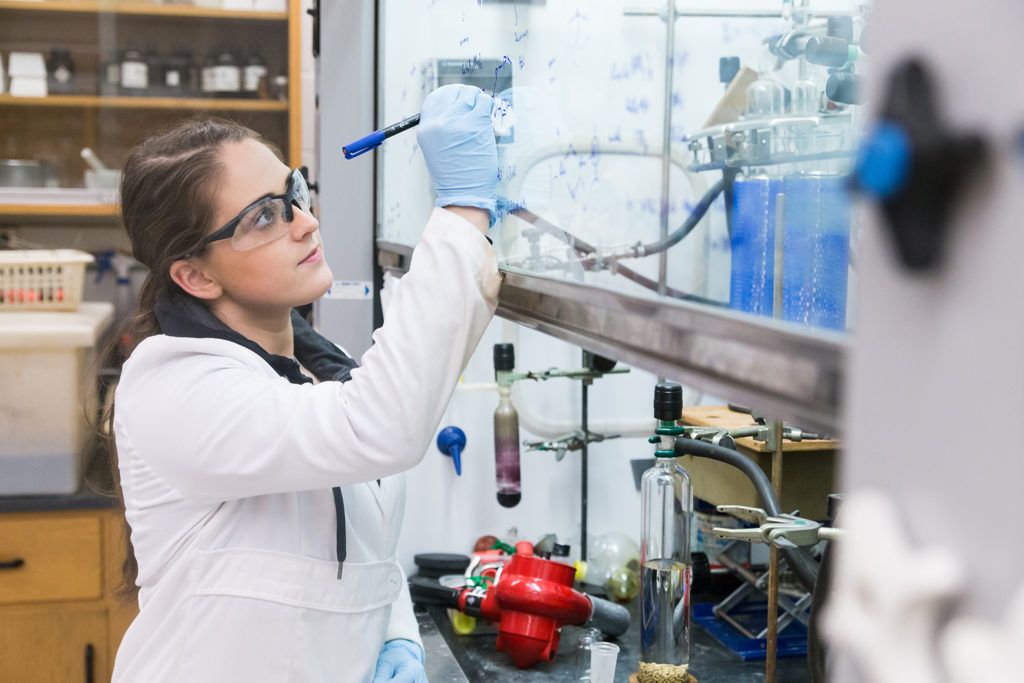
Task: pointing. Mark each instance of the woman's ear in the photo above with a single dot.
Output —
(191, 277)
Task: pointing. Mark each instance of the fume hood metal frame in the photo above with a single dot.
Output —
(782, 369)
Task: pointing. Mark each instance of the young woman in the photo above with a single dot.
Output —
(259, 464)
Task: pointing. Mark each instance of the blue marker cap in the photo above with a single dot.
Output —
(363, 144)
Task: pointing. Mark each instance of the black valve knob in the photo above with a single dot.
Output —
(843, 87)
(504, 357)
(668, 402)
(916, 167)
(827, 51)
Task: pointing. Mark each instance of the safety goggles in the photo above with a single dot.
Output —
(266, 219)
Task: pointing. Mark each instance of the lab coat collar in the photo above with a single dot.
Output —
(183, 316)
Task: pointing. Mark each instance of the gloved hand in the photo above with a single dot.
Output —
(457, 139)
(400, 661)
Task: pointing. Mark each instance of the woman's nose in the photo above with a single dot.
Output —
(303, 222)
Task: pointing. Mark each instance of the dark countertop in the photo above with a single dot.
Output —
(710, 661)
(84, 499)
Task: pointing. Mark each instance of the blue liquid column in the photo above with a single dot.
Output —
(817, 250)
(753, 244)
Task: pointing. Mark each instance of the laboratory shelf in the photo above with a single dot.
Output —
(129, 102)
(70, 202)
(138, 8)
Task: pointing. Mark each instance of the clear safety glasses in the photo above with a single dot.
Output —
(265, 219)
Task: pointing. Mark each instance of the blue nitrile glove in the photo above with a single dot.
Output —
(400, 661)
(457, 139)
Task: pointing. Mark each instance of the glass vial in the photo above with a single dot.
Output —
(581, 669)
(506, 450)
(666, 508)
(506, 430)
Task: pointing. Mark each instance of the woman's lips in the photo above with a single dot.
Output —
(313, 256)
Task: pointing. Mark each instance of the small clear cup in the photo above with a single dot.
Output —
(602, 662)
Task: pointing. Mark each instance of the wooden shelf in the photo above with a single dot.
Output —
(138, 8)
(117, 102)
(58, 210)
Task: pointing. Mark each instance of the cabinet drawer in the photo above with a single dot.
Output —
(60, 558)
(50, 644)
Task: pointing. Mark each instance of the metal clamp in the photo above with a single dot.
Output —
(569, 442)
(781, 531)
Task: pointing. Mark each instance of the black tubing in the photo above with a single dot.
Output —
(691, 222)
(801, 565)
(427, 591)
(607, 616)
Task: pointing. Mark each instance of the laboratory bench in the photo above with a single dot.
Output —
(455, 658)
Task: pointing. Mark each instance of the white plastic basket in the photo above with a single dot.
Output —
(42, 279)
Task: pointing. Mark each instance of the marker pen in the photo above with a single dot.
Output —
(368, 142)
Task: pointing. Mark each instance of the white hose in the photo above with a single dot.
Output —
(545, 426)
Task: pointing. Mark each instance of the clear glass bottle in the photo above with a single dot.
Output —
(666, 508)
(765, 96)
(506, 450)
(581, 668)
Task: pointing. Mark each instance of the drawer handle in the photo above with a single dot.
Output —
(12, 564)
(90, 661)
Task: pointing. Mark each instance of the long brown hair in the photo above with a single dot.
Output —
(168, 189)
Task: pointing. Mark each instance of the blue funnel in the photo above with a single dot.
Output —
(451, 441)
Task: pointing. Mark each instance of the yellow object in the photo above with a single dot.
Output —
(581, 570)
(462, 623)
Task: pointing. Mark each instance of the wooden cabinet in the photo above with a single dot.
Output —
(54, 129)
(60, 620)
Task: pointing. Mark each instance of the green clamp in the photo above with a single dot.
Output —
(504, 547)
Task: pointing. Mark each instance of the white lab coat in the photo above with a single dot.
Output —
(227, 471)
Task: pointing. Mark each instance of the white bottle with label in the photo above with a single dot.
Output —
(227, 75)
(134, 73)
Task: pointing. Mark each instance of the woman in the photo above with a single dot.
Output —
(257, 461)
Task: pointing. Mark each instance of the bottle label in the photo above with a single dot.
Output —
(135, 75)
(114, 74)
(172, 78)
(227, 78)
(62, 74)
(208, 82)
(253, 74)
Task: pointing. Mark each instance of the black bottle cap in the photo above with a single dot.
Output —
(840, 27)
(843, 88)
(832, 52)
(728, 67)
(668, 402)
(560, 550)
(504, 357)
